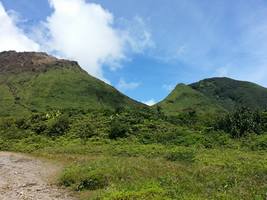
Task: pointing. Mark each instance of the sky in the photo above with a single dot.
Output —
(144, 48)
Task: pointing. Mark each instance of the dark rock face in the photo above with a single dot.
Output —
(18, 62)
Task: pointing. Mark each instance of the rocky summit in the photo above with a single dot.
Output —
(17, 62)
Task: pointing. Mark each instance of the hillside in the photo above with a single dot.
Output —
(130, 154)
(214, 95)
(231, 93)
(183, 99)
(36, 82)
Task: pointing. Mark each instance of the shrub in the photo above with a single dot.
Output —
(259, 142)
(86, 131)
(83, 178)
(240, 122)
(58, 126)
(118, 130)
(214, 139)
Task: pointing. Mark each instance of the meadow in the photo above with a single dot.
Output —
(126, 155)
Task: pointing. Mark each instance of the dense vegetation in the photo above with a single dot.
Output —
(215, 95)
(207, 140)
(231, 94)
(128, 154)
(184, 99)
(61, 85)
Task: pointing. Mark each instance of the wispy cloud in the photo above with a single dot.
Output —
(136, 34)
(124, 86)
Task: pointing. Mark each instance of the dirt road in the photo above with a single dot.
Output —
(27, 178)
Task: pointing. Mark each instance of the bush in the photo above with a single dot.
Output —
(5, 145)
(215, 139)
(118, 130)
(86, 132)
(258, 142)
(83, 178)
(58, 126)
(241, 122)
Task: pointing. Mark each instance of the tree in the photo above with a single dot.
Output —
(86, 131)
(118, 129)
(58, 126)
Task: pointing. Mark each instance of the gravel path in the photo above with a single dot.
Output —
(27, 178)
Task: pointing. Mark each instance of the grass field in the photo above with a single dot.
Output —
(128, 170)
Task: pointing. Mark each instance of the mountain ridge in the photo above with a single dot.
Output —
(37, 82)
(215, 96)
(231, 93)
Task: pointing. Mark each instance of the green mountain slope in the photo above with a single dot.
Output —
(231, 93)
(214, 96)
(38, 82)
(183, 99)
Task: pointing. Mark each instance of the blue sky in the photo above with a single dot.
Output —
(144, 48)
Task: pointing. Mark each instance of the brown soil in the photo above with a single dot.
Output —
(17, 62)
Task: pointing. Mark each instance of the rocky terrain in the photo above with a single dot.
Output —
(17, 62)
(26, 178)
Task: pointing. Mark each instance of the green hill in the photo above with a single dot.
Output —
(183, 99)
(36, 82)
(231, 93)
(213, 96)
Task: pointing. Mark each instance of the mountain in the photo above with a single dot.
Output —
(184, 98)
(214, 95)
(37, 82)
(230, 93)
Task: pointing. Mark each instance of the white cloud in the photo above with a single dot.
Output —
(79, 31)
(11, 37)
(82, 31)
(85, 32)
(123, 85)
(150, 102)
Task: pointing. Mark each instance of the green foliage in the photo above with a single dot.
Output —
(214, 174)
(150, 191)
(183, 156)
(184, 99)
(57, 89)
(57, 126)
(231, 93)
(118, 129)
(152, 157)
(117, 148)
(256, 142)
(83, 177)
(241, 122)
(85, 131)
